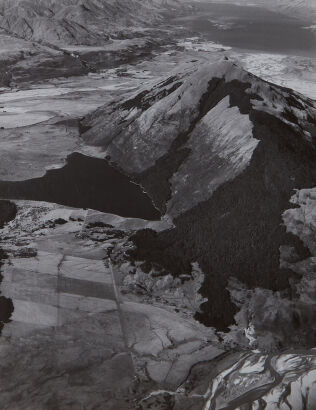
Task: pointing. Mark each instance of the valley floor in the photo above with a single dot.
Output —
(72, 333)
(76, 341)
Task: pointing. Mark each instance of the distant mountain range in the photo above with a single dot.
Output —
(305, 9)
(88, 22)
(91, 22)
(294, 8)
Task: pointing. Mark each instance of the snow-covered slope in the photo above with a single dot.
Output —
(77, 22)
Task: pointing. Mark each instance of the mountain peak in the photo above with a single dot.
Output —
(177, 117)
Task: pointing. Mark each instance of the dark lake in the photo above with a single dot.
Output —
(251, 28)
(85, 182)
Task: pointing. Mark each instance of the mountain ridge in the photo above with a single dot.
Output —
(87, 22)
(176, 108)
